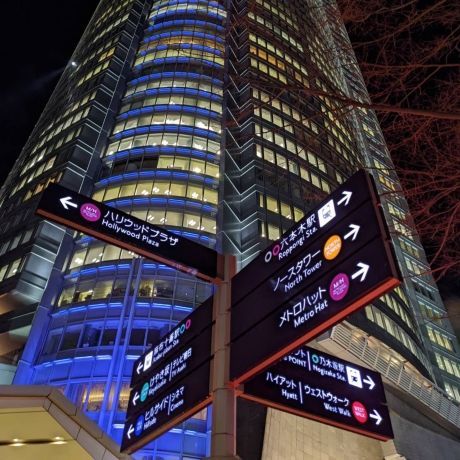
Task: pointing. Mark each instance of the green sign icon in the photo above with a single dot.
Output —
(144, 391)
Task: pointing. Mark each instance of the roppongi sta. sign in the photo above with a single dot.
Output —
(330, 264)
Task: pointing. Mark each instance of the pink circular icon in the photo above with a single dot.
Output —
(90, 211)
(339, 287)
(359, 412)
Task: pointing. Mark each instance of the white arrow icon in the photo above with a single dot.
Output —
(376, 416)
(363, 269)
(353, 233)
(346, 198)
(369, 381)
(67, 201)
(139, 368)
(131, 430)
(136, 397)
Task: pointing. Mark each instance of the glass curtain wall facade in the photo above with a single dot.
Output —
(217, 120)
(289, 143)
(161, 164)
(64, 147)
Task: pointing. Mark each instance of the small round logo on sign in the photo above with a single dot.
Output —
(339, 286)
(144, 391)
(139, 427)
(359, 412)
(90, 212)
(332, 247)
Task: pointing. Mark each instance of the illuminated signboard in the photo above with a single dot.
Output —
(169, 371)
(172, 341)
(170, 382)
(315, 385)
(108, 224)
(316, 259)
(178, 403)
(358, 280)
(339, 204)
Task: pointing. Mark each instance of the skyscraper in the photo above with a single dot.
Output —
(220, 121)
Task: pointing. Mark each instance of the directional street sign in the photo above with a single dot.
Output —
(315, 385)
(108, 224)
(169, 408)
(327, 266)
(364, 276)
(169, 371)
(177, 338)
(314, 261)
(339, 204)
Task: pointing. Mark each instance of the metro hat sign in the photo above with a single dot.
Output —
(327, 266)
(342, 291)
(108, 224)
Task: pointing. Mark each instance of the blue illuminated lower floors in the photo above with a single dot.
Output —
(93, 337)
(83, 380)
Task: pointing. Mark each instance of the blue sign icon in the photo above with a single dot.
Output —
(315, 359)
(139, 425)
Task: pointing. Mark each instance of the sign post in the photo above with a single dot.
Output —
(331, 263)
(223, 434)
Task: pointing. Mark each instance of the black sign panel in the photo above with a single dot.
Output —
(314, 261)
(353, 193)
(366, 275)
(183, 400)
(169, 371)
(174, 340)
(316, 385)
(121, 229)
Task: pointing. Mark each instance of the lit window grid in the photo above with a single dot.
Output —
(281, 11)
(173, 80)
(165, 139)
(175, 40)
(106, 284)
(169, 187)
(280, 160)
(203, 167)
(179, 57)
(172, 115)
(280, 33)
(376, 316)
(440, 338)
(276, 206)
(201, 8)
(192, 100)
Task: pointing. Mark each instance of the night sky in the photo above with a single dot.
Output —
(37, 39)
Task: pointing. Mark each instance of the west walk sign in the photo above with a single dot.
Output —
(315, 385)
(330, 264)
(80, 212)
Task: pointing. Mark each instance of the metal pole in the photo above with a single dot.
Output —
(223, 435)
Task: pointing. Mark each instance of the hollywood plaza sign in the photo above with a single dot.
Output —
(331, 263)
